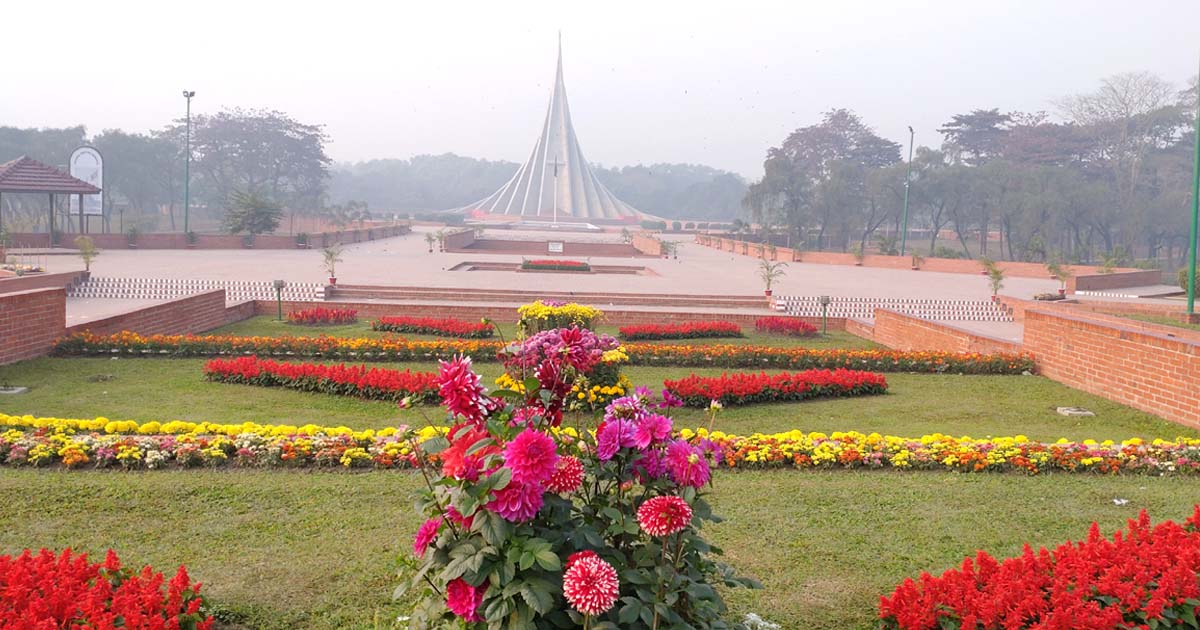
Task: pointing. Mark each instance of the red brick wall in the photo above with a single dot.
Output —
(905, 332)
(540, 249)
(192, 314)
(458, 240)
(859, 328)
(647, 244)
(216, 241)
(1116, 280)
(612, 317)
(41, 281)
(30, 321)
(1139, 367)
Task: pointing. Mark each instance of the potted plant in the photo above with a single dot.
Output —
(87, 251)
(773, 251)
(190, 237)
(770, 272)
(441, 239)
(131, 236)
(302, 240)
(917, 260)
(995, 277)
(1060, 272)
(430, 239)
(859, 255)
(332, 256)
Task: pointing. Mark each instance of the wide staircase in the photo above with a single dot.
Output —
(358, 293)
(864, 308)
(172, 288)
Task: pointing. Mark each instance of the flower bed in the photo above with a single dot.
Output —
(96, 442)
(341, 380)
(320, 316)
(549, 314)
(555, 265)
(1145, 577)
(790, 326)
(681, 355)
(447, 327)
(64, 590)
(750, 388)
(691, 330)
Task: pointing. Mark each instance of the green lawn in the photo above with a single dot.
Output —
(174, 389)
(270, 327)
(1158, 319)
(280, 549)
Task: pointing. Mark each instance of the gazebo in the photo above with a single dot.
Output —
(27, 175)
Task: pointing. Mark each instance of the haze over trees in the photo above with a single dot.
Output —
(1108, 179)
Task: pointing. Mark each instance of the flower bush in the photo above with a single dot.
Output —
(320, 316)
(678, 355)
(341, 380)
(690, 330)
(591, 365)
(1145, 577)
(64, 590)
(548, 314)
(742, 388)
(528, 525)
(790, 326)
(447, 327)
(555, 265)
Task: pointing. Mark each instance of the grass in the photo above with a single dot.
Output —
(1159, 319)
(280, 549)
(174, 389)
(270, 327)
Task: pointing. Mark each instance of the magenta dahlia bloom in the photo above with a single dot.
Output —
(426, 534)
(686, 464)
(663, 516)
(612, 436)
(464, 600)
(590, 584)
(649, 466)
(627, 407)
(669, 400)
(461, 389)
(457, 518)
(567, 477)
(651, 428)
(531, 456)
(518, 501)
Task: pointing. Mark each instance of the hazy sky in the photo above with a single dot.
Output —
(711, 83)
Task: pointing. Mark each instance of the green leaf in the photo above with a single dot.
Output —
(480, 445)
(435, 445)
(547, 560)
(500, 479)
(526, 561)
(532, 384)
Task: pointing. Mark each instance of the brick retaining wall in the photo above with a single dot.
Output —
(192, 314)
(30, 321)
(1142, 367)
(905, 332)
(42, 281)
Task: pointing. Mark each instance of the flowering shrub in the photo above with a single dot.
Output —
(747, 388)
(447, 327)
(548, 314)
(690, 330)
(342, 380)
(555, 265)
(1145, 577)
(589, 362)
(64, 590)
(320, 316)
(29, 440)
(527, 527)
(679, 355)
(790, 326)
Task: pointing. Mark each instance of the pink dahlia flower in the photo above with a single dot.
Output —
(567, 477)
(613, 436)
(651, 428)
(532, 456)
(686, 464)
(590, 584)
(663, 516)
(461, 389)
(464, 600)
(517, 502)
(426, 534)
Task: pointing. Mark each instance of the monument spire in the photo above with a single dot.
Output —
(556, 181)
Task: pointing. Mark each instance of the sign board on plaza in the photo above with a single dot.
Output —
(556, 247)
(87, 164)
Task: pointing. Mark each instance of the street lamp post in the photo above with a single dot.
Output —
(907, 183)
(279, 285)
(824, 314)
(187, 161)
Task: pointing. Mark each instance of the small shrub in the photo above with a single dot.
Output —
(648, 224)
(790, 326)
(555, 265)
(676, 226)
(689, 226)
(1183, 279)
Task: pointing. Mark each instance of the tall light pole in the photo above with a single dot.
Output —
(907, 183)
(1191, 272)
(187, 161)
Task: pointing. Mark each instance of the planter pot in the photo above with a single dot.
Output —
(133, 246)
(1062, 292)
(333, 281)
(916, 268)
(857, 264)
(767, 293)
(190, 246)
(995, 298)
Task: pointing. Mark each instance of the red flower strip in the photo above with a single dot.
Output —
(320, 316)
(344, 380)
(690, 330)
(744, 387)
(433, 326)
(790, 326)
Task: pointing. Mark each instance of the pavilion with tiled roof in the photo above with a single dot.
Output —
(27, 175)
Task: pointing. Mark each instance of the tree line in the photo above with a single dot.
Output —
(1108, 178)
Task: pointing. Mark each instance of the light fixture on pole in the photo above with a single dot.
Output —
(279, 284)
(187, 161)
(824, 314)
(907, 183)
